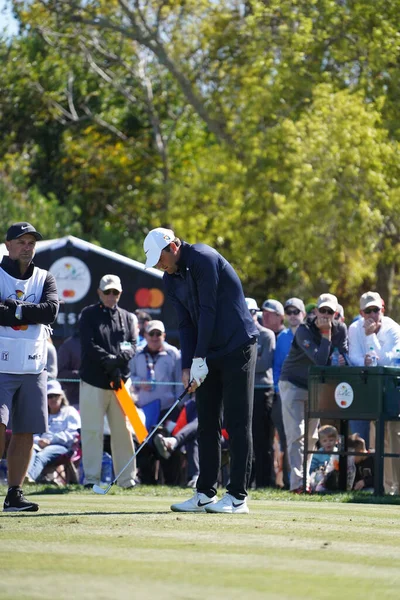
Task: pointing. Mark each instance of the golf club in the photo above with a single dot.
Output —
(99, 490)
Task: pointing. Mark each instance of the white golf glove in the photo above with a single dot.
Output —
(199, 370)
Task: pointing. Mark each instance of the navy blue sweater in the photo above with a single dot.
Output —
(212, 313)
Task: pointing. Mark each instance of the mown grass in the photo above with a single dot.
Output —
(128, 544)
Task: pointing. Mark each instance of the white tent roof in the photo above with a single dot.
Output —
(86, 246)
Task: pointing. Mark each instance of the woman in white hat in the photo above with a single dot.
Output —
(64, 425)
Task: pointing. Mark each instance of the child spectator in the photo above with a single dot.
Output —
(364, 472)
(328, 439)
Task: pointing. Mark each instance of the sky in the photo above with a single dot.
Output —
(7, 22)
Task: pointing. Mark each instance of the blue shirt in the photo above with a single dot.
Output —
(283, 343)
(213, 317)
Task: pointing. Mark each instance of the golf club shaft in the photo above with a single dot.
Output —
(151, 434)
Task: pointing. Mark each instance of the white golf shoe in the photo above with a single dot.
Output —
(229, 504)
(197, 503)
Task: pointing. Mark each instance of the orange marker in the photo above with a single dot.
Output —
(130, 410)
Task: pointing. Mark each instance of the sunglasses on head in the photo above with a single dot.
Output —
(155, 333)
(292, 311)
(326, 311)
(371, 309)
(113, 292)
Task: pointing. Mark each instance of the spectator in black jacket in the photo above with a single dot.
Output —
(218, 343)
(108, 343)
(313, 344)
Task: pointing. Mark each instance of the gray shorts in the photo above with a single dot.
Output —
(23, 402)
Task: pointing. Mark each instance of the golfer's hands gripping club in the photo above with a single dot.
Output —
(198, 372)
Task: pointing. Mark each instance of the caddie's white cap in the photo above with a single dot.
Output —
(155, 241)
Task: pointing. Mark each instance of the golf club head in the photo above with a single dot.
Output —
(99, 490)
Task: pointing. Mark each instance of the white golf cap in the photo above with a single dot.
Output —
(54, 387)
(155, 241)
(157, 325)
(251, 304)
(328, 301)
(370, 299)
(274, 306)
(110, 282)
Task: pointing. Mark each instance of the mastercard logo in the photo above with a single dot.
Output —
(149, 298)
(68, 293)
(19, 294)
(19, 327)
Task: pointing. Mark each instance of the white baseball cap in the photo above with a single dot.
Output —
(155, 241)
(370, 299)
(110, 282)
(158, 325)
(328, 301)
(271, 305)
(251, 304)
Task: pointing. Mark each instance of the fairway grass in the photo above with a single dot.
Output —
(130, 545)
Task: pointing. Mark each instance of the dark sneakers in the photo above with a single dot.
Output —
(15, 502)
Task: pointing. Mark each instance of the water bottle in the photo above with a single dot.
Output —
(107, 473)
(373, 356)
(335, 358)
(396, 359)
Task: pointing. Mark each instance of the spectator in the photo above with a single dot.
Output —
(328, 442)
(273, 316)
(218, 341)
(143, 318)
(340, 313)
(313, 343)
(382, 334)
(295, 313)
(311, 308)
(263, 427)
(156, 363)
(69, 363)
(51, 365)
(29, 304)
(63, 431)
(364, 472)
(108, 343)
(183, 436)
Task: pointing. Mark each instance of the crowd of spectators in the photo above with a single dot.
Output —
(292, 337)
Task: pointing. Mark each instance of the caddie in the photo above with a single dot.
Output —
(28, 303)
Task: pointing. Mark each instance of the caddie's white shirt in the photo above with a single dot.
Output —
(23, 348)
(385, 342)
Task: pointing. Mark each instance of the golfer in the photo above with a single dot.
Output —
(219, 351)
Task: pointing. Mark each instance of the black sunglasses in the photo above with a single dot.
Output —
(326, 311)
(155, 333)
(371, 309)
(292, 311)
(113, 292)
(53, 395)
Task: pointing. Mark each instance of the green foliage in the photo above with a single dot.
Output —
(269, 130)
